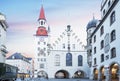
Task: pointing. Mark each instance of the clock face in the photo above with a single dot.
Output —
(41, 39)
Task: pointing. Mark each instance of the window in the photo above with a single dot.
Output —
(1, 24)
(112, 18)
(73, 46)
(80, 60)
(90, 41)
(44, 49)
(38, 54)
(95, 38)
(102, 58)
(57, 60)
(113, 35)
(106, 43)
(113, 53)
(44, 43)
(0, 33)
(41, 22)
(102, 44)
(109, 3)
(38, 42)
(63, 46)
(41, 65)
(94, 50)
(104, 12)
(68, 59)
(101, 30)
(38, 48)
(44, 59)
(38, 59)
(95, 61)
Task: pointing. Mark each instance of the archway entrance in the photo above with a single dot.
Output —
(114, 69)
(78, 74)
(42, 74)
(102, 70)
(95, 72)
(62, 74)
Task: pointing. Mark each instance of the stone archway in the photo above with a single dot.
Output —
(79, 74)
(95, 72)
(42, 74)
(62, 74)
(114, 69)
(102, 72)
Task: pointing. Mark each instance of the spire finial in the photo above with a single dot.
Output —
(42, 14)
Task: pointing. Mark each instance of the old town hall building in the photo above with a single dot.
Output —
(63, 58)
(67, 58)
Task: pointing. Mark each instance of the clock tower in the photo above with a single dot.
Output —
(41, 48)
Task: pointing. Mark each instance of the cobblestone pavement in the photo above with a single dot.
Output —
(41, 79)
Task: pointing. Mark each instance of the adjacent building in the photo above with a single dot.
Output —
(3, 29)
(23, 63)
(103, 43)
(63, 58)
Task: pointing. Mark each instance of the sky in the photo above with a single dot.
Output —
(22, 16)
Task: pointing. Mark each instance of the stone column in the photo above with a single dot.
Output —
(107, 74)
(119, 74)
(99, 76)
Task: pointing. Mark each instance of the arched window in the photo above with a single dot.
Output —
(113, 35)
(41, 22)
(102, 44)
(80, 60)
(102, 30)
(112, 18)
(68, 59)
(57, 60)
(95, 38)
(95, 61)
(94, 50)
(113, 53)
(102, 58)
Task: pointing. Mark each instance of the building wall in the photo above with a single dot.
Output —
(42, 45)
(52, 69)
(3, 27)
(108, 28)
(23, 66)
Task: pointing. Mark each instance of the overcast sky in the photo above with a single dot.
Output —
(22, 15)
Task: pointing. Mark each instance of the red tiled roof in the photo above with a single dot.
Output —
(41, 31)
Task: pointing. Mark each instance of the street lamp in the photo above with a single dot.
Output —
(79, 73)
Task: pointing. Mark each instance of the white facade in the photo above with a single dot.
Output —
(23, 64)
(60, 48)
(3, 27)
(63, 58)
(104, 56)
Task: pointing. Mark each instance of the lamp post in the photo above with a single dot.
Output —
(79, 73)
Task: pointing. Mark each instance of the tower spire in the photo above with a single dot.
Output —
(42, 14)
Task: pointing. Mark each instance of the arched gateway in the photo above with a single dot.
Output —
(95, 74)
(114, 71)
(62, 74)
(42, 74)
(79, 74)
